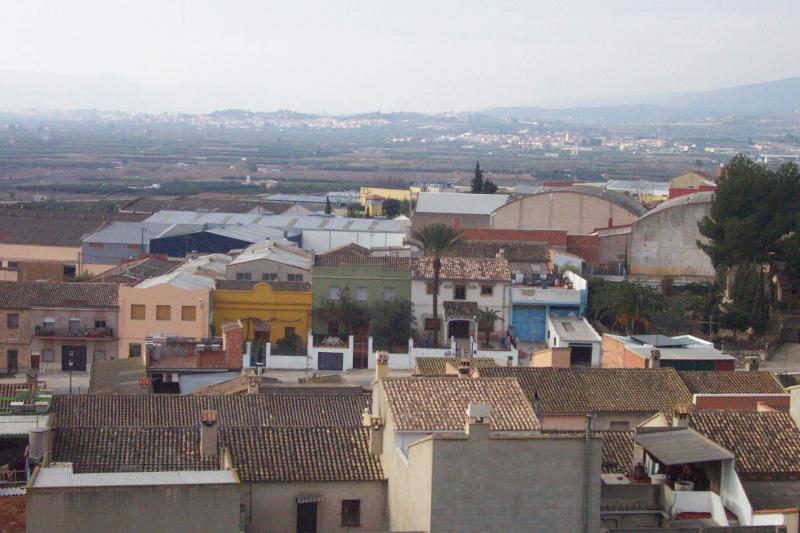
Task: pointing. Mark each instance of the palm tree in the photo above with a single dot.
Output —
(486, 318)
(436, 239)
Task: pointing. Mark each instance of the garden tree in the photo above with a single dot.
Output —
(405, 207)
(631, 305)
(749, 307)
(391, 207)
(753, 209)
(346, 311)
(436, 239)
(489, 187)
(328, 206)
(486, 319)
(477, 179)
(290, 345)
(391, 323)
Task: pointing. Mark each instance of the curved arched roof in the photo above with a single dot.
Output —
(703, 197)
(626, 202)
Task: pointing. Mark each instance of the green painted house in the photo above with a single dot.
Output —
(366, 279)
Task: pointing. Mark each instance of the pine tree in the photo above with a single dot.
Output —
(328, 206)
(477, 180)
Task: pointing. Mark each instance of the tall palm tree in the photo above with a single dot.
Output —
(436, 239)
(486, 318)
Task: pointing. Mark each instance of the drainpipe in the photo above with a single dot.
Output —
(587, 471)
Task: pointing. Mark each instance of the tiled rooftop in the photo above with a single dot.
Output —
(566, 391)
(25, 294)
(513, 252)
(277, 286)
(440, 404)
(464, 268)
(436, 366)
(710, 382)
(385, 262)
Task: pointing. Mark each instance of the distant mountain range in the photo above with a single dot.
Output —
(780, 97)
(26, 90)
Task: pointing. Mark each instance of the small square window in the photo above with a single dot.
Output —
(134, 350)
(137, 311)
(295, 277)
(12, 321)
(74, 325)
(244, 276)
(335, 293)
(351, 513)
(188, 313)
(460, 292)
(99, 324)
(13, 264)
(48, 356)
(362, 294)
(69, 271)
(430, 288)
(163, 312)
(270, 276)
(487, 290)
(388, 293)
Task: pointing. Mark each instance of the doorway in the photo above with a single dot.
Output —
(580, 355)
(307, 517)
(458, 329)
(12, 361)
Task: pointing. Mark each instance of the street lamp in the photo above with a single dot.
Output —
(70, 363)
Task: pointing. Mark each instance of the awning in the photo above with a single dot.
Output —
(261, 327)
(680, 446)
(460, 310)
(309, 498)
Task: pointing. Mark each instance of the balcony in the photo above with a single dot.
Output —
(73, 333)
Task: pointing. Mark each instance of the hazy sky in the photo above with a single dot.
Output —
(338, 56)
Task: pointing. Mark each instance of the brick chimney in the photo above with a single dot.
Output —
(232, 340)
(751, 363)
(479, 418)
(680, 416)
(381, 365)
(209, 434)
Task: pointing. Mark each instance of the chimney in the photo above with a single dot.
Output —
(655, 358)
(479, 417)
(537, 405)
(209, 434)
(794, 404)
(463, 367)
(510, 361)
(381, 365)
(37, 444)
(252, 385)
(501, 254)
(232, 340)
(680, 416)
(751, 363)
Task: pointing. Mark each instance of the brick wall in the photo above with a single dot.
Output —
(232, 338)
(585, 246)
(612, 353)
(12, 514)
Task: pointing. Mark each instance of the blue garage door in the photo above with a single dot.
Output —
(529, 323)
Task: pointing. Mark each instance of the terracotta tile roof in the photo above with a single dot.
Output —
(302, 454)
(387, 263)
(237, 385)
(184, 411)
(565, 391)
(436, 366)
(43, 227)
(766, 444)
(351, 249)
(773, 495)
(137, 270)
(8, 390)
(440, 404)
(459, 309)
(711, 382)
(513, 252)
(25, 294)
(277, 286)
(210, 360)
(464, 268)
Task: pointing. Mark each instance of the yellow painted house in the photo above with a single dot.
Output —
(268, 310)
(395, 194)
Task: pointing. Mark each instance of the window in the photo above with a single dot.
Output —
(432, 324)
(619, 426)
(134, 350)
(49, 322)
(361, 294)
(334, 293)
(351, 513)
(137, 312)
(74, 325)
(163, 312)
(271, 276)
(487, 290)
(98, 324)
(388, 293)
(430, 288)
(69, 271)
(188, 313)
(460, 292)
(295, 277)
(13, 264)
(12, 321)
(48, 356)
(289, 332)
(333, 328)
(244, 276)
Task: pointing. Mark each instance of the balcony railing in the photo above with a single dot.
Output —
(89, 333)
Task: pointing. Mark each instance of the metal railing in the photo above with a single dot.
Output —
(91, 333)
